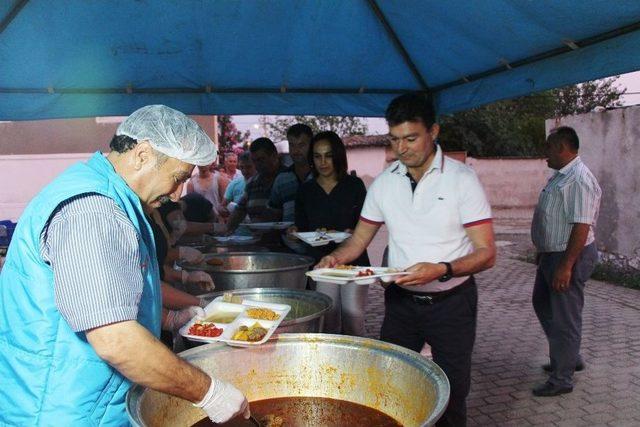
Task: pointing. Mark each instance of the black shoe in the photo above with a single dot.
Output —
(547, 389)
(547, 367)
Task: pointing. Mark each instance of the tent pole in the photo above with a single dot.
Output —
(215, 131)
(569, 45)
(17, 7)
(398, 44)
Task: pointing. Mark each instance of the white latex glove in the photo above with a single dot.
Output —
(223, 402)
(199, 278)
(176, 319)
(190, 255)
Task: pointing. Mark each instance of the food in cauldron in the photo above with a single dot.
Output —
(215, 261)
(309, 411)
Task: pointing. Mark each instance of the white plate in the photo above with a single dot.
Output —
(229, 329)
(239, 240)
(340, 276)
(316, 238)
(282, 225)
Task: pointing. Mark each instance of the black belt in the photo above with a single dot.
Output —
(429, 298)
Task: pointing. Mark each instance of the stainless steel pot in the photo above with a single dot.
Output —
(243, 270)
(386, 377)
(307, 307)
(226, 248)
(208, 244)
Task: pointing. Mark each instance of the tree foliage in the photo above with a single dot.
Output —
(585, 97)
(342, 125)
(229, 137)
(515, 127)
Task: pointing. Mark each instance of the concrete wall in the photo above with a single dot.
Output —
(610, 147)
(511, 183)
(66, 136)
(32, 153)
(23, 176)
(368, 162)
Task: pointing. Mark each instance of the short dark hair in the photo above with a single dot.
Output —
(299, 129)
(122, 143)
(244, 157)
(197, 208)
(263, 144)
(338, 152)
(165, 209)
(411, 107)
(565, 134)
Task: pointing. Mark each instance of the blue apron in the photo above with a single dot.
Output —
(49, 374)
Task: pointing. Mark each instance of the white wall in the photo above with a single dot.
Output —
(511, 183)
(610, 147)
(368, 162)
(32, 153)
(23, 176)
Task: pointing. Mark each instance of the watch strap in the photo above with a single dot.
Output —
(448, 274)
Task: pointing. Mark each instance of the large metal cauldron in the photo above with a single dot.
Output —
(386, 377)
(307, 307)
(243, 270)
(208, 244)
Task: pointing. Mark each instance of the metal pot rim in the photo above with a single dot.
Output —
(306, 262)
(282, 292)
(409, 356)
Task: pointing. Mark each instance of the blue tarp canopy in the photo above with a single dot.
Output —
(83, 58)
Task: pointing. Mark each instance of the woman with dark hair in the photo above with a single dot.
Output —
(333, 200)
(197, 208)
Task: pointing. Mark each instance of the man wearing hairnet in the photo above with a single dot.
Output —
(80, 306)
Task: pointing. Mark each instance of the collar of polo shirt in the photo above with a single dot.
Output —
(437, 163)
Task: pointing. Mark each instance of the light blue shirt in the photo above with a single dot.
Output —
(571, 196)
(235, 189)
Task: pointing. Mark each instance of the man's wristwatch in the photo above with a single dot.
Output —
(449, 274)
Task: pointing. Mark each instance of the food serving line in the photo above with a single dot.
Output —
(262, 331)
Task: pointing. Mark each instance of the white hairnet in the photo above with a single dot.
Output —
(170, 132)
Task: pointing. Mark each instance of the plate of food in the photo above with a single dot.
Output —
(244, 324)
(281, 225)
(343, 274)
(321, 237)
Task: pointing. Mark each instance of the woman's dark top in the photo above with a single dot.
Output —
(162, 246)
(339, 210)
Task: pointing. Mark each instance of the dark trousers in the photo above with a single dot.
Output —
(560, 313)
(448, 326)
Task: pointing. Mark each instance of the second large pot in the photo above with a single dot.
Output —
(307, 307)
(242, 270)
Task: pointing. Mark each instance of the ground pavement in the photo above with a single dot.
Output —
(510, 347)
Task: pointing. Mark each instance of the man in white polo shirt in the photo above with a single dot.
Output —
(440, 231)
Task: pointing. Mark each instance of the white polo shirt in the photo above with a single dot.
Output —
(428, 224)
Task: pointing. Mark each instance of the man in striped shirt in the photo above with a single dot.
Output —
(562, 232)
(80, 303)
